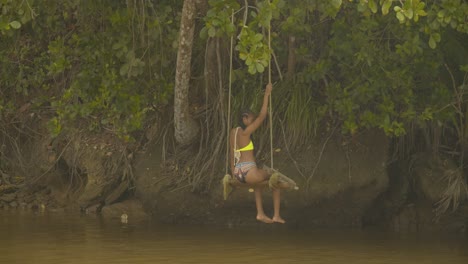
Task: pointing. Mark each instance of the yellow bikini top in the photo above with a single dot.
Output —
(237, 152)
(250, 146)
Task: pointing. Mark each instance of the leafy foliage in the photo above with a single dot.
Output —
(105, 63)
(363, 63)
(15, 14)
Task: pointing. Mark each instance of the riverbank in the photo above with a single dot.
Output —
(343, 184)
(187, 208)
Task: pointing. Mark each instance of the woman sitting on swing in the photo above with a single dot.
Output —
(243, 165)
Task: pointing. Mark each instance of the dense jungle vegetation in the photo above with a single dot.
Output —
(105, 66)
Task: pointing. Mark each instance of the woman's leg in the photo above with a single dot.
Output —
(258, 202)
(254, 176)
(276, 205)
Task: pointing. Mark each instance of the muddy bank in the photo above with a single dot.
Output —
(353, 186)
(343, 183)
(78, 171)
(418, 190)
(21, 199)
(338, 181)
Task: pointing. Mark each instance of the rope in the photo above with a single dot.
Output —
(270, 108)
(229, 98)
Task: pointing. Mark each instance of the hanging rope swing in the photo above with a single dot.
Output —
(277, 180)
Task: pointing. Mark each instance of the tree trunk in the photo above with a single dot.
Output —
(186, 129)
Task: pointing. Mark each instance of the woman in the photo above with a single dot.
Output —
(243, 164)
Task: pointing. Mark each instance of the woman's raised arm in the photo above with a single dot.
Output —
(263, 112)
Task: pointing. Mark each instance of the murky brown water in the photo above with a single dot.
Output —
(50, 238)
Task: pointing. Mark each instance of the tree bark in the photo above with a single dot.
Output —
(186, 129)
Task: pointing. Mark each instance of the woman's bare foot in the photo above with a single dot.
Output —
(264, 219)
(278, 219)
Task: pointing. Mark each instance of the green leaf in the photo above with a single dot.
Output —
(453, 24)
(259, 67)
(407, 4)
(230, 29)
(441, 14)
(432, 43)
(243, 56)
(212, 32)
(447, 19)
(252, 69)
(15, 24)
(336, 3)
(435, 25)
(124, 69)
(400, 17)
(409, 13)
(421, 12)
(258, 37)
(464, 68)
(386, 6)
(372, 6)
(426, 114)
(216, 22)
(204, 33)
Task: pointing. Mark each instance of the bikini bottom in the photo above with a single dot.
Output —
(242, 168)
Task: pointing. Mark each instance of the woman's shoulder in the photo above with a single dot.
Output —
(235, 130)
(239, 130)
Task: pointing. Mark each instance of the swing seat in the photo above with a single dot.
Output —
(280, 181)
(227, 188)
(277, 181)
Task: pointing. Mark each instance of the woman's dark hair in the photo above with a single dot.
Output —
(244, 113)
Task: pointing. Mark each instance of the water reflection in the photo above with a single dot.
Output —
(27, 237)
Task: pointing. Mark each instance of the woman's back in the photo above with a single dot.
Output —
(242, 141)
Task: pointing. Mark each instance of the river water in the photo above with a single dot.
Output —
(49, 238)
